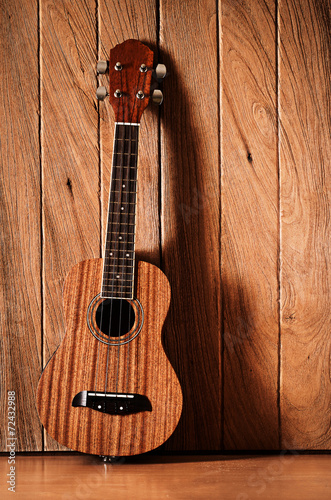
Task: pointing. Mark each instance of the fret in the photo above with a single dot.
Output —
(112, 280)
(129, 247)
(123, 202)
(128, 289)
(122, 242)
(122, 270)
(125, 166)
(124, 223)
(112, 242)
(127, 181)
(126, 147)
(120, 236)
(118, 240)
(120, 203)
(121, 213)
(108, 257)
(119, 266)
(114, 283)
(125, 161)
(121, 153)
(118, 288)
(108, 295)
(115, 266)
(124, 185)
(130, 180)
(124, 192)
(122, 228)
(122, 232)
(118, 250)
(128, 216)
(117, 294)
(112, 287)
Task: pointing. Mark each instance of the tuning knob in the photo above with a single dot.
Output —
(157, 97)
(101, 93)
(160, 71)
(102, 67)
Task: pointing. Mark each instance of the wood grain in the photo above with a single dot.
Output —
(190, 215)
(305, 158)
(119, 21)
(179, 180)
(130, 80)
(249, 224)
(140, 366)
(286, 477)
(20, 270)
(71, 214)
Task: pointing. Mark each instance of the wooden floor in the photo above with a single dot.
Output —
(276, 477)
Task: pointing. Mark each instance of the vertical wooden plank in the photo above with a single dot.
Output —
(249, 224)
(305, 147)
(20, 336)
(120, 21)
(71, 215)
(190, 214)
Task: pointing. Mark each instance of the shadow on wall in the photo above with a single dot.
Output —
(215, 415)
(190, 260)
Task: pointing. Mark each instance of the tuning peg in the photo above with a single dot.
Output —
(157, 96)
(102, 67)
(160, 71)
(101, 93)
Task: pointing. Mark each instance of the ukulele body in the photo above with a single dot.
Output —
(113, 376)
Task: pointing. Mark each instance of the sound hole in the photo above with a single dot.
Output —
(115, 317)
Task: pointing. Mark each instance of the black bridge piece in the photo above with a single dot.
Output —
(112, 403)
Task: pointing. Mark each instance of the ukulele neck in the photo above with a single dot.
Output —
(119, 253)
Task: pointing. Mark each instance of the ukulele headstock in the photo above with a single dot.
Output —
(130, 78)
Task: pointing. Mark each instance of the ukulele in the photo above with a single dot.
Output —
(109, 389)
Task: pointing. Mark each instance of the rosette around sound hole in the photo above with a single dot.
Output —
(114, 321)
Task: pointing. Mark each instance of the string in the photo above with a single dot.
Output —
(116, 243)
(119, 231)
(126, 180)
(134, 184)
(128, 232)
(131, 160)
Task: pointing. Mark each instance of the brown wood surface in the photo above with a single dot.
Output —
(249, 225)
(69, 139)
(211, 178)
(285, 477)
(20, 303)
(305, 104)
(190, 229)
(82, 363)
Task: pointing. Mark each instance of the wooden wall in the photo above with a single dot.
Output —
(234, 189)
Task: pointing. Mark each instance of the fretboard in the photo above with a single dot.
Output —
(119, 255)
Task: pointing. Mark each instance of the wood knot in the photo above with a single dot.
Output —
(69, 184)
